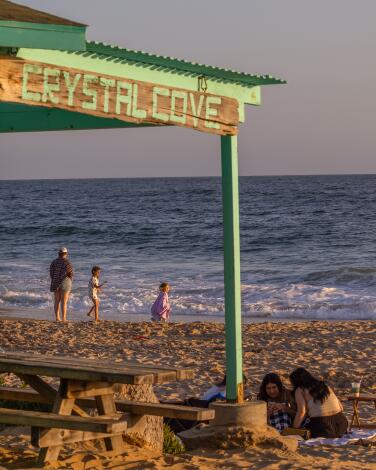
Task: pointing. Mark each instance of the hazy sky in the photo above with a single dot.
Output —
(322, 121)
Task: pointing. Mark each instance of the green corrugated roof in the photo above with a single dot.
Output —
(179, 66)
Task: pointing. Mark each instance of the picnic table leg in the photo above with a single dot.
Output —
(106, 406)
(352, 418)
(355, 417)
(62, 406)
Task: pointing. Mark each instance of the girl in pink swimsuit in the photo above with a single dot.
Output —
(160, 310)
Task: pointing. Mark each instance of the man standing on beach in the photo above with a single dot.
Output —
(61, 273)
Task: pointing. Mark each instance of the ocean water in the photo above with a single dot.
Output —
(308, 244)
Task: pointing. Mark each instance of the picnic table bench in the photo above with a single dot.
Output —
(356, 399)
(85, 384)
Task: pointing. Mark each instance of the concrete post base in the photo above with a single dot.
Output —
(237, 426)
(251, 414)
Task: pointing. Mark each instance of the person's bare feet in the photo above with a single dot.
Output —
(58, 319)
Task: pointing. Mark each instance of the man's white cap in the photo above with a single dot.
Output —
(63, 249)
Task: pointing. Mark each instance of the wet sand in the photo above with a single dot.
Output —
(337, 351)
(47, 314)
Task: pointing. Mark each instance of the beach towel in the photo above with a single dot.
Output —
(352, 436)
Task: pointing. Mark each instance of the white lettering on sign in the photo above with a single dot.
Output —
(71, 85)
(118, 97)
(158, 91)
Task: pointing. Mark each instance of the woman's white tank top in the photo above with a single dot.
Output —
(329, 407)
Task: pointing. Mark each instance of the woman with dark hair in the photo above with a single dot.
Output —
(317, 400)
(281, 407)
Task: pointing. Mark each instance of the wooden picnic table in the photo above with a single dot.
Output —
(79, 380)
(355, 400)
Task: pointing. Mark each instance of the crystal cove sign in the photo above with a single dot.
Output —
(35, 83)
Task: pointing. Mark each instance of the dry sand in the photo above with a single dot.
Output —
(337, 351)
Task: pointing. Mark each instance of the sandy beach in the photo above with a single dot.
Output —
(337, 351)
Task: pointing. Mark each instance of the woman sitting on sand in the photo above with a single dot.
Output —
(281, 406)
(317, 400)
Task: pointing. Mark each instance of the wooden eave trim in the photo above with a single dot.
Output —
(10, 11)
(43, 26)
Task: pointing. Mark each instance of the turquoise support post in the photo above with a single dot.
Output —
(231, 240)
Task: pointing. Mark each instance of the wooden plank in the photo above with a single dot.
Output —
(368, 397)
(139, 374)
(37, 83)
(134, 407)
(162, 373)
(24, 367)
(54, 420)
(189, 413)
(364, 426)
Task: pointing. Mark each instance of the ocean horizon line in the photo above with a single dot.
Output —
(117, 178)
